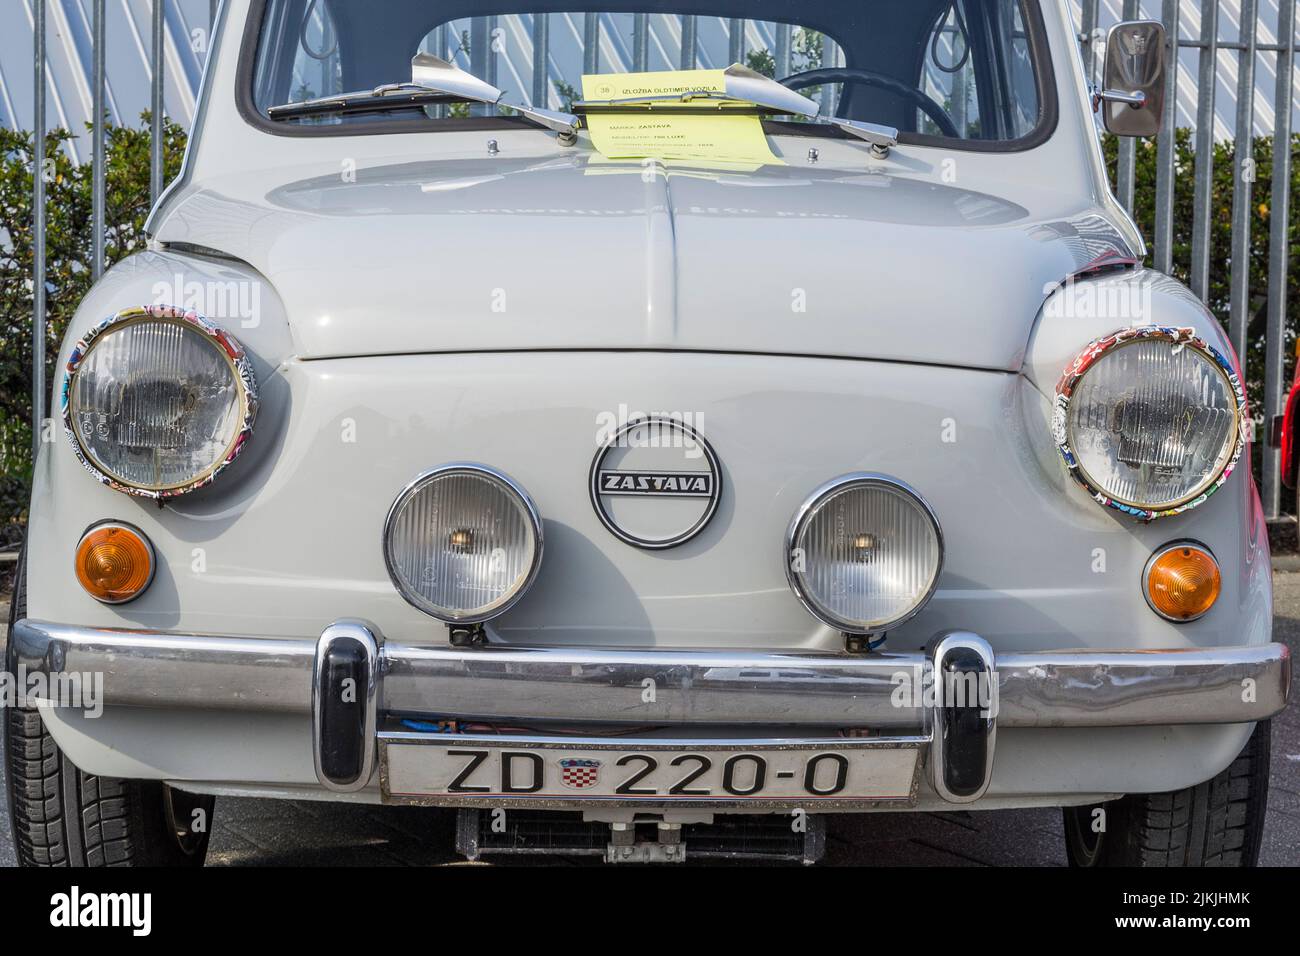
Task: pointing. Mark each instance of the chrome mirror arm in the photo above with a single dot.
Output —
(1136, 99)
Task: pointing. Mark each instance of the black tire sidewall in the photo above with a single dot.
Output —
(1121, 842)
(152, 841)
(16, 601)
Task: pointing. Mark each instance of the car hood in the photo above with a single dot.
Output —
(493, 255)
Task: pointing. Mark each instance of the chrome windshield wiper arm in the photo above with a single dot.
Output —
(881, 138)
(434, 73)
(433, 81)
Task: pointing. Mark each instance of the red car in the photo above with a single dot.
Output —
(1288, 439)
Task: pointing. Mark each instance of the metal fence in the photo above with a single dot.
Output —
(1247, 47)
(98, 171)
(1207, 44)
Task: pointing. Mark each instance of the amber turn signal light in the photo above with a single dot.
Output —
(1182, 581)
(115, 562)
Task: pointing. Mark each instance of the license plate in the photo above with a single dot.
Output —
(470, 770)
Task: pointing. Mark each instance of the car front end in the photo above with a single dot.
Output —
(502, 477)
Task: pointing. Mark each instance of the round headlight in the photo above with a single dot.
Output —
(1150, 420)
(864, 553)
(463, 543)
(157, 401)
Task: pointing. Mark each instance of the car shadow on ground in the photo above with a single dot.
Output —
(309, 833)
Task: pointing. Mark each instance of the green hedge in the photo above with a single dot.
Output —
(1219, 294)
(69, 254)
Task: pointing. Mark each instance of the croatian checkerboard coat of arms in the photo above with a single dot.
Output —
(578, 774)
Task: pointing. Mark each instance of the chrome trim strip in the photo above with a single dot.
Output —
(811, 506)
(1085, 688)
(346, 631)
(649, 745)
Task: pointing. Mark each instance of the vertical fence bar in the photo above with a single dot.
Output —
(829, 53)
(478, 45)
(1087, 29)
(960, 101)
(783, 31)
(1278, 248)
(1166, 147)
(38, 229)
(960, 89)
(641, 42)
(1204, 149)
(591, 43)
(1126, 168)
(735, 40)
(156, 105)
(1243, 177)
(541, 60)
(689, 28)
(479, 41)
(97, 203)
(440, 49)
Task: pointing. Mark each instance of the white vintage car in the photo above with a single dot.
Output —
(655, 468)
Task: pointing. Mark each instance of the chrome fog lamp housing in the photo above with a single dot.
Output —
(1150, 421)
(863, 553)
(463, 543)
(157, 401)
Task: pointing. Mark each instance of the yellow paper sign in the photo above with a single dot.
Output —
(705, 137)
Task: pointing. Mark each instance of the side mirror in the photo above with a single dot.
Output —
(1133, 85)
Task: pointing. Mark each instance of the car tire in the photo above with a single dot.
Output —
(1216, 823)
(65, 817)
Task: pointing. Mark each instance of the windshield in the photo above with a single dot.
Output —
(957, 71)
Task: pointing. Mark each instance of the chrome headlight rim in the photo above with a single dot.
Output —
(1094, 352)
(226, 345)
(812, 505)
(498, 607)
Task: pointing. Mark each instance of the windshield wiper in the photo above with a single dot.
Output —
(388, 98)
(436, 81)
(433, 81)
(746, 91)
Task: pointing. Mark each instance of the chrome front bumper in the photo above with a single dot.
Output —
(804, 695)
